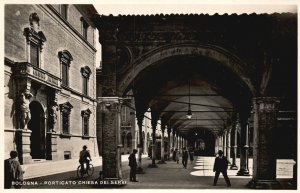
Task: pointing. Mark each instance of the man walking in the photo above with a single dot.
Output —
(133, 166)
(184, 158)
(220, 166)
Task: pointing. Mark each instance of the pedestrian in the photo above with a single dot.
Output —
(174, 155)
(150, 152)
(84, 158)
(185, 156)
(191, 155)
(220, 166)
(13, 171)
(177, 155)
(133, 166)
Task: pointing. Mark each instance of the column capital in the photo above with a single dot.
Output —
(266, 103)
(110, 103)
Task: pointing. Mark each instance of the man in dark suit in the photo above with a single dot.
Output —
(184, 158)
(133, 166)
(220, 166)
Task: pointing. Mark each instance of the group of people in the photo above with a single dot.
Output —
(185, 155)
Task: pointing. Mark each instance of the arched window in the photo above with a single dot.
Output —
(129, 139)
(65, 59)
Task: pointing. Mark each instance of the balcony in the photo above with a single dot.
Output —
(26, 70)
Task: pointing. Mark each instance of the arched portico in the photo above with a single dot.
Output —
(211, 71)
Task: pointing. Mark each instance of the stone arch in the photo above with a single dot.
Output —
(216, 53)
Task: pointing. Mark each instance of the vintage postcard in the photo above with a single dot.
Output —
(155, 95)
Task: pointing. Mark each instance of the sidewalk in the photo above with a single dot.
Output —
(199, 175)
(48, 167)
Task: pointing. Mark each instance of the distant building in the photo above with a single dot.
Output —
(50, 81)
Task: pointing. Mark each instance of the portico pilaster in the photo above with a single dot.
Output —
(228, 141)
(244, 171)
(140, 118)
(265, 111)
(233, 165)
(111, 155)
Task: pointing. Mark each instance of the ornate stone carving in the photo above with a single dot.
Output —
(34, 22)
(25, 115)
(53, 115)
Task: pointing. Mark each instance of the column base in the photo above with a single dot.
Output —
(264, 184)
(140, 170)
(161, 162)
(233, 167)
(152, 166)
(243, 172)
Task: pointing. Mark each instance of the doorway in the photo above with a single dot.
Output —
(38, 135)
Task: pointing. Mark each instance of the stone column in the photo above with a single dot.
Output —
(228, 141)
(265, 111)
(224, 143)
(154, 124)
(162, 147)
(173, 139)
(170, 142)
(233, 165)
(244, 150)
(216, 144)
(140, 118)
(111, 155)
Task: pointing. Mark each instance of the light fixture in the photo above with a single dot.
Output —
(189, 113)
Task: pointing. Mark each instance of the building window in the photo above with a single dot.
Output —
(65, 110)
(129, 139)
(124, 114)
(65, 59)
(123, 138)
(35, 40)
(85, 27)
(64, 11)
(67, 155)
(85, 72)
(85, 122)
(34, 55)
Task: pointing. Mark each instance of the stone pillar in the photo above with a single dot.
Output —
(51, 140)
(23, 145)
(154, 124)
(228, 141)
(170, 142)
(111, 155)
(162, 147)
(265, 111)
(140, 118)
(244, 150)
(173, 139)
(233, 165)
(216, 144)
(224, 143)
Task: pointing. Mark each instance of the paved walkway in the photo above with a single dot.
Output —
(199, 175)
(48, 167)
